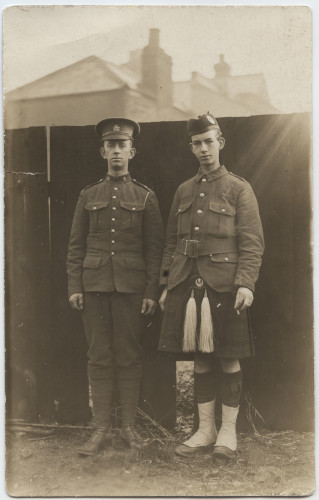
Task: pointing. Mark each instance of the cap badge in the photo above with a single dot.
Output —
(116, 128)
(211, 119)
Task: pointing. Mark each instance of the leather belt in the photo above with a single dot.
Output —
(196, 248)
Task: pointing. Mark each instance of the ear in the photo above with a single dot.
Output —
(102, 152)
(191, 147)
(132, 153)
(221, 141)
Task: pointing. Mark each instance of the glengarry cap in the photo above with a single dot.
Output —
(202, 124)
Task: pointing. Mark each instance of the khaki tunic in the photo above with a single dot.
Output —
(214, 231)
(116, 240)
(220, 211)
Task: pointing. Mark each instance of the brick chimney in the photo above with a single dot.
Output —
(222, 74)
(157, 70)
(222, 69)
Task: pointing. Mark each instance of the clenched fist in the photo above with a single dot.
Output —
(76, 301)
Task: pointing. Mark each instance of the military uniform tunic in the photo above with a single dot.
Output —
(214, 231)
(114, 257)
(116, 239)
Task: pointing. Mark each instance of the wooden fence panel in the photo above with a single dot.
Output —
(27, 265)
(271, 152)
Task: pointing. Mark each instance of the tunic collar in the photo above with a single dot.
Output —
(122, 178)
(211, 176)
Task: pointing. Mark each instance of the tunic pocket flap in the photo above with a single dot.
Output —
(221, 208)
(134, 263)
(184, 206)
(132, 206)
(224, 257)
(92, 261)
(96, 205)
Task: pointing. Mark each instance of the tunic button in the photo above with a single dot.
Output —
(133, 208)
(116, 189)
(112, 253)
(113, 230)
(94, 208)
(204, 179)
(113, 208)
(196, 228)
(202, 195)
(112, 242)
(124, 178)
(223, 210)
(226, 258)
(114, 197)
(113, 219)
(199, 211)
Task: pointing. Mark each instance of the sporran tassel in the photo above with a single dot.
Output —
(206, 335)
(189, 340)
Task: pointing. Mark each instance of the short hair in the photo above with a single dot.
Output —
(218, 134)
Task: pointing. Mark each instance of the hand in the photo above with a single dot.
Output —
(76, 301)
(148, 307)
(162, 299)
(244, 299)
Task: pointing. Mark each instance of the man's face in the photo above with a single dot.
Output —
(206, 148)
(117, 152)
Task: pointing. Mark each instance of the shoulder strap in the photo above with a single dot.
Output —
(238, 177)
(142, 185)
(94, 183)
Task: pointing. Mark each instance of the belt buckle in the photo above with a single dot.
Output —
(193, 247)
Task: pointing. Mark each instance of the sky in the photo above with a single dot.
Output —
(275, 41)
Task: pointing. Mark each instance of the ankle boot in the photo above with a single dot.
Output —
(206, 433)
(226, 443)
(96, 442)
(131, 437)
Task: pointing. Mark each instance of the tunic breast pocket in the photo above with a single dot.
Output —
(222, 218)
(184, 218)
(98, 211)
(131, 216)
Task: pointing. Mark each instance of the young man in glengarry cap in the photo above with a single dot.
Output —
(214, 244)
(113, 265)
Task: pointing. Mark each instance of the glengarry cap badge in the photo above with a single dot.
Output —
(211, 119)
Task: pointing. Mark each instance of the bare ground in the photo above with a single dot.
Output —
(267, 463)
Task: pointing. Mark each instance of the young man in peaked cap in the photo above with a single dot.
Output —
(113, 265)
(214, 244)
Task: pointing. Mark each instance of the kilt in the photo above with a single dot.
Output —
(233, 336)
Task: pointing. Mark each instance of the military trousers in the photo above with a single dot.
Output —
(113, 326)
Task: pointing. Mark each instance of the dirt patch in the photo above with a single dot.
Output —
(267, 463)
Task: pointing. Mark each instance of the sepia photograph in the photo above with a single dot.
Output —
(158, 247)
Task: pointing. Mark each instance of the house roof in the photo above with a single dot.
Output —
(238, 95)
(91, 74)
(253, 84)
(211, 100)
